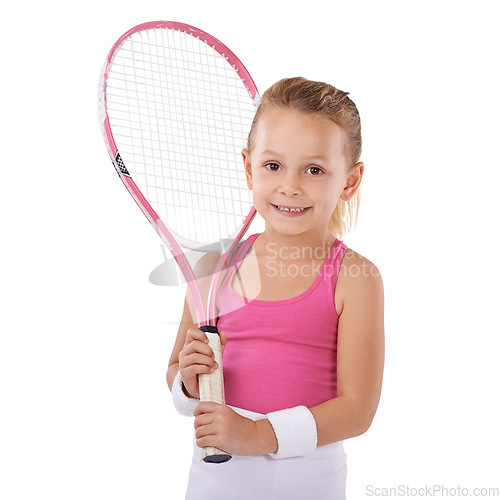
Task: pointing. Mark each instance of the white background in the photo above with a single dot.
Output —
(85, 338)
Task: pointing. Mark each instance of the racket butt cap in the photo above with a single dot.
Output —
(217, 459)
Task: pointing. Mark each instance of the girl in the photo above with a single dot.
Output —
(300, 315)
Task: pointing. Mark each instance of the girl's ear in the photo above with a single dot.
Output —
(248, 168)
(353, 181)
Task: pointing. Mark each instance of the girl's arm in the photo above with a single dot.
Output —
(360, 361)
(360, 356)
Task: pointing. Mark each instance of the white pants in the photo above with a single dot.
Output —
(321, 475)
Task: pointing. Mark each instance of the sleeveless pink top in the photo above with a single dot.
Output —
(280, 354)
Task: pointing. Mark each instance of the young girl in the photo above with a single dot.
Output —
(300, 314)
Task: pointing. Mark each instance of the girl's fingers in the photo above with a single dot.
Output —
(202, 420)
(198, 360)
(196, 340)
(198, 347)
(204, 430)
(196, 334)
(193, 369)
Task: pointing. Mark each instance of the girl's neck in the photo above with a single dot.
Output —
(313, 240)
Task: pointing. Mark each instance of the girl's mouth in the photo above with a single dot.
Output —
(291, 211)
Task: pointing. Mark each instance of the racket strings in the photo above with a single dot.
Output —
(180, 115)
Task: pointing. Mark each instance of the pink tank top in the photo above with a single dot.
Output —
(280, 354)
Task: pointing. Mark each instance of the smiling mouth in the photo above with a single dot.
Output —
(291, 209)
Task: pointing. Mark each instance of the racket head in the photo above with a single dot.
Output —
(175, 108)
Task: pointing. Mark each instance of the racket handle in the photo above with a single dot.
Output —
(212, 389)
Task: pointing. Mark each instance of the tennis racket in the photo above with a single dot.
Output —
(175, 108)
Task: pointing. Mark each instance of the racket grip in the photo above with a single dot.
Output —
(212, 389)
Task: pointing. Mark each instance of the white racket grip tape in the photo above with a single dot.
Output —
(295, 430)
(211, 387)
(212, 384)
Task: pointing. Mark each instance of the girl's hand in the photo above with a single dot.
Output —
(220, 426)
(197, 357)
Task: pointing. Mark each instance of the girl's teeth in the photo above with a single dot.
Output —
(283, 209)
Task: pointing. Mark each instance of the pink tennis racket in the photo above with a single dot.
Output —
(175, 108)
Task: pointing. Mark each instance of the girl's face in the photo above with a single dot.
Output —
(297, 171)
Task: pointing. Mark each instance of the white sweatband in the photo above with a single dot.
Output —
(295, 430)
(183, 404)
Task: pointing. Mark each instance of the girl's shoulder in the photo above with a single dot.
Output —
(357, 278)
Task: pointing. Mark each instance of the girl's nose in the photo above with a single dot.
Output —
(290, 184)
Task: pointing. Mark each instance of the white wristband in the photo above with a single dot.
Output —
(183, 404)
(295, 430)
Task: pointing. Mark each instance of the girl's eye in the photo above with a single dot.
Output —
(314, 170)
(273, 167)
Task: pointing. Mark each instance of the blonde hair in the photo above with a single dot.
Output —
(324, 100)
